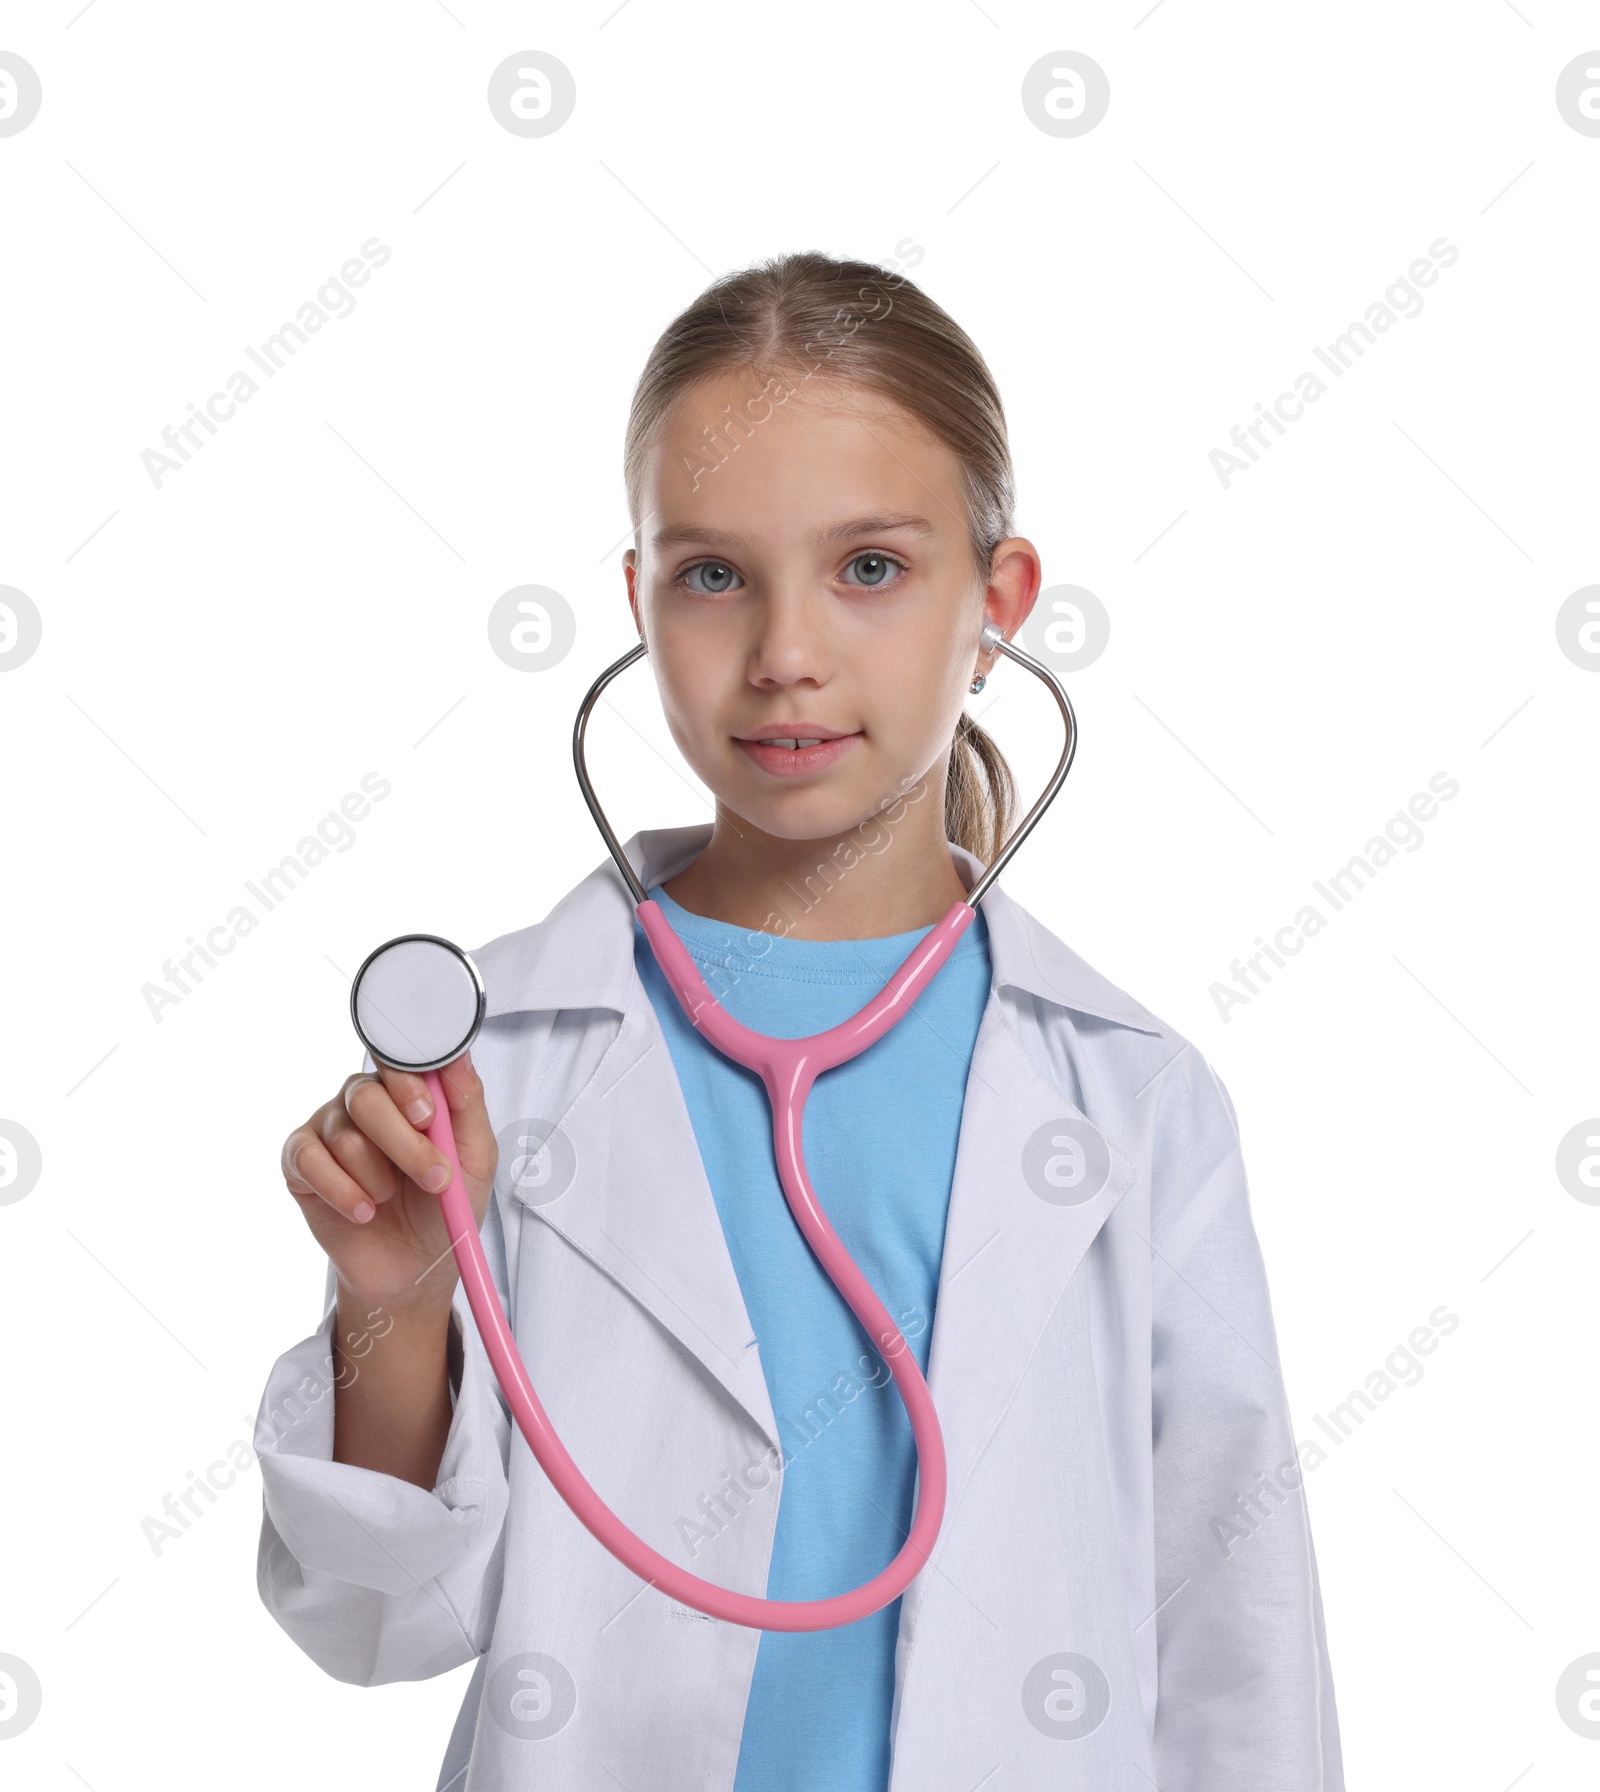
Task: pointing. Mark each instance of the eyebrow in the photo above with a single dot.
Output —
(859, 525)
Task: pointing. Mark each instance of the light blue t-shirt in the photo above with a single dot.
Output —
(880, 1142)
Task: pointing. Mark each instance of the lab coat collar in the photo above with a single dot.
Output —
(582, 955)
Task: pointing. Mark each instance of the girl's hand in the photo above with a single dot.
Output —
(365, 1174)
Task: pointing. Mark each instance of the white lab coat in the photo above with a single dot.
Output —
(1103, 1612)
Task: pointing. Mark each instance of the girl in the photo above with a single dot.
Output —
(1124, 1592)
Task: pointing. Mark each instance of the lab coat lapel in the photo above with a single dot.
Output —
(1018, 1227)
(640, 1207)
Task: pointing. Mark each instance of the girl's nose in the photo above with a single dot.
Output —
(791, 644)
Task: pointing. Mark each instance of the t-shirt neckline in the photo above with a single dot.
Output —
(756, 953)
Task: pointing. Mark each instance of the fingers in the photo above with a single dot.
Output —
(463, 1089)
(370, 1103)
(409, 1092)
(309, 1168)
(469, 1113)
(354, 1150)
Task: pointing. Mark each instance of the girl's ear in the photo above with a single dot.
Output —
(1013, 586)
(630, 572)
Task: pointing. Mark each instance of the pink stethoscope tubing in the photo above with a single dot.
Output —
(788, 1068)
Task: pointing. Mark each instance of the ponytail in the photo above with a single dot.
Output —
(980, 793)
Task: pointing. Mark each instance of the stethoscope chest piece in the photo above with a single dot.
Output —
(417, 1002)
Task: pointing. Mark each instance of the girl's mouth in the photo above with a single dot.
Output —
(796, 755)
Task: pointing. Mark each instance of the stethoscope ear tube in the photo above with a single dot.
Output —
(991, 639)
(579, 728)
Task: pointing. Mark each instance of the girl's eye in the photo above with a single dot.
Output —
(719, 577)
(874, 568)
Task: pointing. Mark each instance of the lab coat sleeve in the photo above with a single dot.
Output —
(375, 1578)
(1245, 1691)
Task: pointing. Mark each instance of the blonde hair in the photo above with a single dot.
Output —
(904, 347)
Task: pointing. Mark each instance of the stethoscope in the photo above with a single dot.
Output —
(418, 1002)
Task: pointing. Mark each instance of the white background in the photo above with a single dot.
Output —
(223, 659)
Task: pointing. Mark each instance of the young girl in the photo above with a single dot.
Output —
(1124, 1592)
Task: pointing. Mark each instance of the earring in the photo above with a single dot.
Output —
(977, 684)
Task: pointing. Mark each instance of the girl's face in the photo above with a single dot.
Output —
(817, 584)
